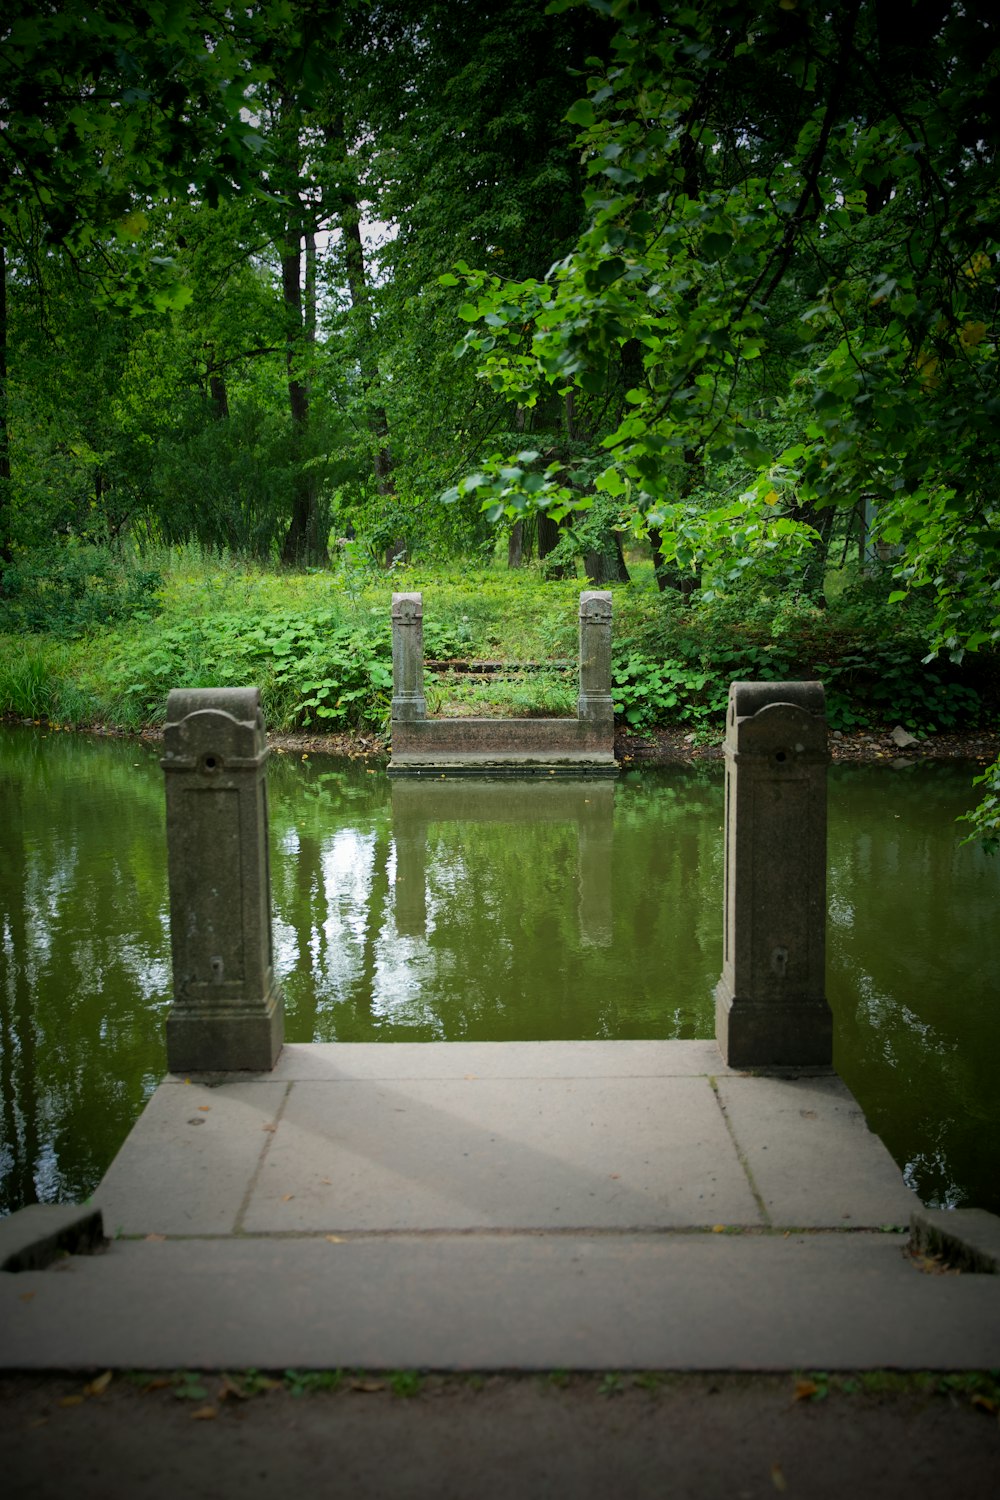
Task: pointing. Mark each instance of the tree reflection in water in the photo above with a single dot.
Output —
(445, 911)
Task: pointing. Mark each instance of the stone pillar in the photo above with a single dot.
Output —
(228, 1013)
(408, 700)
(594, 704)
(770, 1004)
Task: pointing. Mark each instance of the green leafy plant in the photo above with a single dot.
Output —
(67, 591)
(406, 1383)
(647, 692)
(309, 1382)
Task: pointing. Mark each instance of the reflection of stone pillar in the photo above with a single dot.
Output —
(594, 704)
(595, 834)
(408, 657)
(771, 1007)
(227, 1013)
(410, 892)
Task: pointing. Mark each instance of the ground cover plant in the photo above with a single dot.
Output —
(318, 644)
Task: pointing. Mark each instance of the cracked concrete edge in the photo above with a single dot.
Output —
(33, 1237)
(967, 1237)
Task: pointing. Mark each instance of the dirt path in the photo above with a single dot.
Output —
(500, 1438)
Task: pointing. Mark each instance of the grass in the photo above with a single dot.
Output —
(318, 646)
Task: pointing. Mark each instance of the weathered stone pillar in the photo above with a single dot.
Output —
(228, 1013)
(594, 704)
(408, 700)
(770, 1004)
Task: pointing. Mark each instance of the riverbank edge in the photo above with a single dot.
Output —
(666, 745)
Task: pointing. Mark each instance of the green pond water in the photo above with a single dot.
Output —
(490, 911)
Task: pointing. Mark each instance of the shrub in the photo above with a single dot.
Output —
(67, 591)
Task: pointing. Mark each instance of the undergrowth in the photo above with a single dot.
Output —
(92, 639)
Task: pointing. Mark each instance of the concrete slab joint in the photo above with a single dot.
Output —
(227, 1013)
(771, 1007)
(423, 746)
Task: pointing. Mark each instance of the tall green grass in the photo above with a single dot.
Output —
(318, 645)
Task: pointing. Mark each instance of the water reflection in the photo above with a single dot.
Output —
(491, 912)
(83, 958)
(912, 975)
(496, 910)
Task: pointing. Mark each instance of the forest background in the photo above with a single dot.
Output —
(305, 302)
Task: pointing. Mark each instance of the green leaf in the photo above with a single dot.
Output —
(581, 113)
(716, 245)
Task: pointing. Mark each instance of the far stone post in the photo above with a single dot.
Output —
(228, 1012)
(770, 1004)
(594, 705)
(408, 700)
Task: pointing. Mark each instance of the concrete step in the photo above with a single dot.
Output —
(682, 1301)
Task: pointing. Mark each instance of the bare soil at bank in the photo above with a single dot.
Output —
(677, 745)
(657, 747)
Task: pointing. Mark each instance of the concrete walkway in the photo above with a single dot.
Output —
(585, 1205)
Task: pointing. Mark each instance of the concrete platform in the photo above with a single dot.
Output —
(579, 1205)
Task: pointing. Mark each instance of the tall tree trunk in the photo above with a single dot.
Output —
(357, 284)
(303, 542)
(549, 535)
(607, 564)
(218, 395)
(6, 553)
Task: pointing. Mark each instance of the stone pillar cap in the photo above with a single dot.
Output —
(748, 698)
(407, 606)
(193, 722)
(596, 602)
(242, 704)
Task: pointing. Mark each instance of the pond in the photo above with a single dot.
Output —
(483, 911)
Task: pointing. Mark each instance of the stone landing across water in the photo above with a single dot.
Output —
(583, 1205)
(381, 1138)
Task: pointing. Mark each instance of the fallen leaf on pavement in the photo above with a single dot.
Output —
(778, 1478)
(71, 1401)
(205, 1414)
(804, 1390)
(98, 1386)
(335, 1239)
(368, 1387)
(155, 1237)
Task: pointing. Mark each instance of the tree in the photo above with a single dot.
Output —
(104, 110)
(810, 194)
